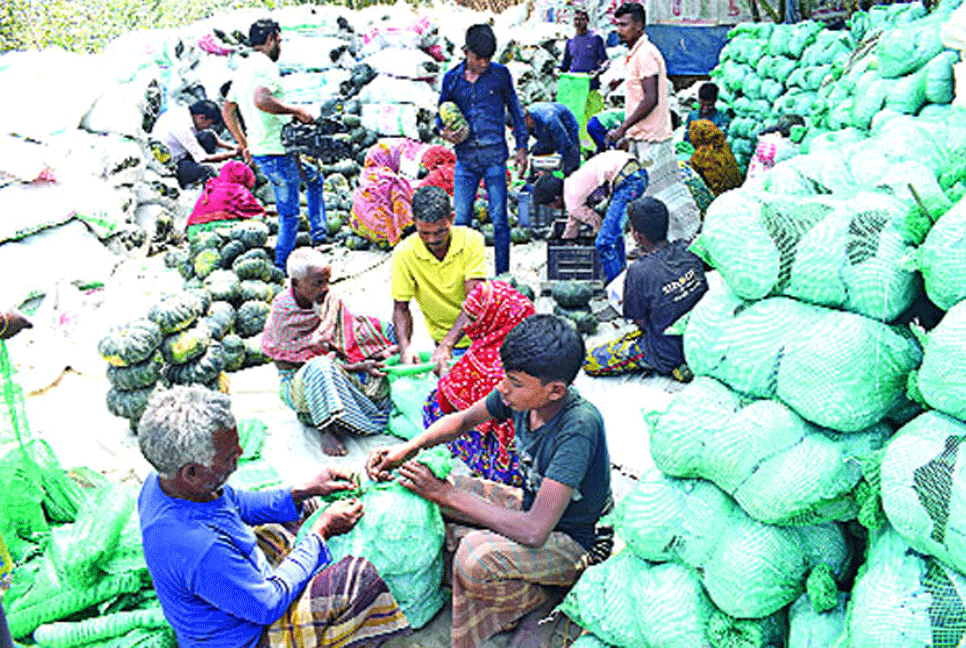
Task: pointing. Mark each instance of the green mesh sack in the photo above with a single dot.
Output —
(401, 534)
(921, 475)
(838, 370)
(939, 78)
(808, 175)
(810, 629)
(869, 100)
(22, 520)
(941, 379)
(846, 253)
(779, 468)
(409, 386)
(749, 569)
(80, 550)
(907, 94)
(942, 258)
(903, 600)
(629, 602)
(907, 48)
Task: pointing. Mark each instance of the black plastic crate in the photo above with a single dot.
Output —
(531, 215)
(573, 259)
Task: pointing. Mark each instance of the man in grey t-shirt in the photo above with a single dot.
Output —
(661, 286)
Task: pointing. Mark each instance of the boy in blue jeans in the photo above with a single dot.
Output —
(535, 537)
(484, 93)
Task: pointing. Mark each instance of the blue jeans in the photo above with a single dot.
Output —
(610, 238)
(597, 133)
(466, 179)
(283, 172)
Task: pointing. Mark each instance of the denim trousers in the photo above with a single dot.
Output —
(466, 179)
(283, 172)
(610, 238)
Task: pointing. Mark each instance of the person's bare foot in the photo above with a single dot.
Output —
(331, 444)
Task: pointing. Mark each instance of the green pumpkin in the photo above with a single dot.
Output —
(481, 210)
(207, 261)
(176, 312)
(254, 290)
(252, 233)
(251, 318)
(254, 355)
(352, 121)
(175, 258)
(203, 295)
(231, 251)
(526, 291)
(519, 235)
(184, 346)
(211, 239)
(334, 222)
(252, 268)
(572, 294)
(303, 239)
(223, 285)
(278, 277)
(137, 376)
(583, 320)
(131, 343)
(233, 349)
(200, 371)
(354, 242)
(129, 404)
(488, 236)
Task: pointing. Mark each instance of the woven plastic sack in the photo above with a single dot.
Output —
(903, 600)
(402, 535)
(942, 258)
(836, 369)
(749, 569)
(807, 175)
(940, 381)
(810, 629)
(939, 78)
(845, 253)
(922, 475)
(628, 602)
(778, 467)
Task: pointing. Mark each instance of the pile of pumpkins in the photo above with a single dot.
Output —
(214, 325)
(573, 302)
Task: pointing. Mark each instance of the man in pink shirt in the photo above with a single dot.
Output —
(619, 174)
(647, 122)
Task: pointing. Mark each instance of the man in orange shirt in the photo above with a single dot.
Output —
(647, 122)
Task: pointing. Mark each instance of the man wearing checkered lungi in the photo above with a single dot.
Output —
(647, 123)
(224, 584)
(525, 544)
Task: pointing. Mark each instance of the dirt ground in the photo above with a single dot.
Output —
(65, 382)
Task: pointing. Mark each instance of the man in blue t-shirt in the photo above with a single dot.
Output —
(216, 585)
(534, 537)
(484, 93)
(661, 286)
(556, 130)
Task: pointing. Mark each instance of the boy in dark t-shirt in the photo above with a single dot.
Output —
(532, 537)
(661, 286)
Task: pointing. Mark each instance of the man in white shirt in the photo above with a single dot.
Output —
(256, 94)
(187, 134)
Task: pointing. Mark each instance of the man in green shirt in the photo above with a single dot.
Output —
(257, 93)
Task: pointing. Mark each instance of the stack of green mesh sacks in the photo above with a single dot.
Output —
(767, 70)
(900, 66)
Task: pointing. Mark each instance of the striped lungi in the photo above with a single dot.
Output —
(665, 184)
(344, 605)
(329, 394)
(497, 581)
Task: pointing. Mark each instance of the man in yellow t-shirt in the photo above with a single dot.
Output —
(439, 267)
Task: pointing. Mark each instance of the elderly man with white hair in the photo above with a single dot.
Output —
(223, 584)
(328, 360)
